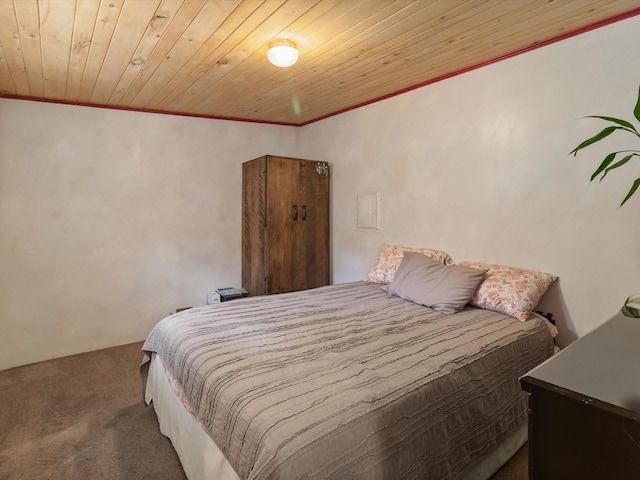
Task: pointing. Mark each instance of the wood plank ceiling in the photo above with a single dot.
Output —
(208, 57)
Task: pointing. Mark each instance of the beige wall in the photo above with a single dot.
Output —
(110, 220)
(478, 165)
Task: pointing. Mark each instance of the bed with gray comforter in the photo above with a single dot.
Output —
(350, 382)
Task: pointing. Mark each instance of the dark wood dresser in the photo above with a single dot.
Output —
(584, 420)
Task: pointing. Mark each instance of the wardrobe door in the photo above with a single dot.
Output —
(311, 244)
(283, 214)
(254, 194)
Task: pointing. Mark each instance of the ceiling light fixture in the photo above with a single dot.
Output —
(282, 53)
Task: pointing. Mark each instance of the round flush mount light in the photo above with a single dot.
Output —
(282, 53)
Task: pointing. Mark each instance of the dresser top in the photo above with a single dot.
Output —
(603, 365)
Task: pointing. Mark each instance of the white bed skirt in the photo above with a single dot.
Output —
(202, 460)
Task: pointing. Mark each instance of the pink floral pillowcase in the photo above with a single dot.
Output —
(509, 290)
(384, 268)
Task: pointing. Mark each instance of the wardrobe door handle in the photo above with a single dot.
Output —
(304, 212)
(295, 213)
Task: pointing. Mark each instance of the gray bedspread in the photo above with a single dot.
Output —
(349, 382)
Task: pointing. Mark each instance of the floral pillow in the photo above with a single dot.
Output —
(384, 268)
(509, 290)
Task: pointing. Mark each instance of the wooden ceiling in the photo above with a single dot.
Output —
(208, 57)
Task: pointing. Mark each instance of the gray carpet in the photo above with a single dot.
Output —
(82, 417)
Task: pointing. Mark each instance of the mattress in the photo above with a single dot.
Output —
(347, 381)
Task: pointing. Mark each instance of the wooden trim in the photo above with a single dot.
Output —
(145, 110)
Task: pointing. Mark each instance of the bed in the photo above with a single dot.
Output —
(343, 381)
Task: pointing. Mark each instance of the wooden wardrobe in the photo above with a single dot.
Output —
(285, 224)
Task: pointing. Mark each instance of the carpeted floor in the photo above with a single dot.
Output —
(82, 418)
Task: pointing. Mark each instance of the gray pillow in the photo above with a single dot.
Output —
(445, 288)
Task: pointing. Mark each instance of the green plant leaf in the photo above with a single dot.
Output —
(596, 138)
(624, 123)
(605, 163)
(634, 187)
(611, 162)
(617, 164)
(636, 111)
(631, 307)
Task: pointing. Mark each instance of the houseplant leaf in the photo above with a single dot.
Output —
(624, 123)
(636, 111)
(634, 187)
(596, 138)
(631, 307)
(610, 162)
(618, 164)
(605, 163)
